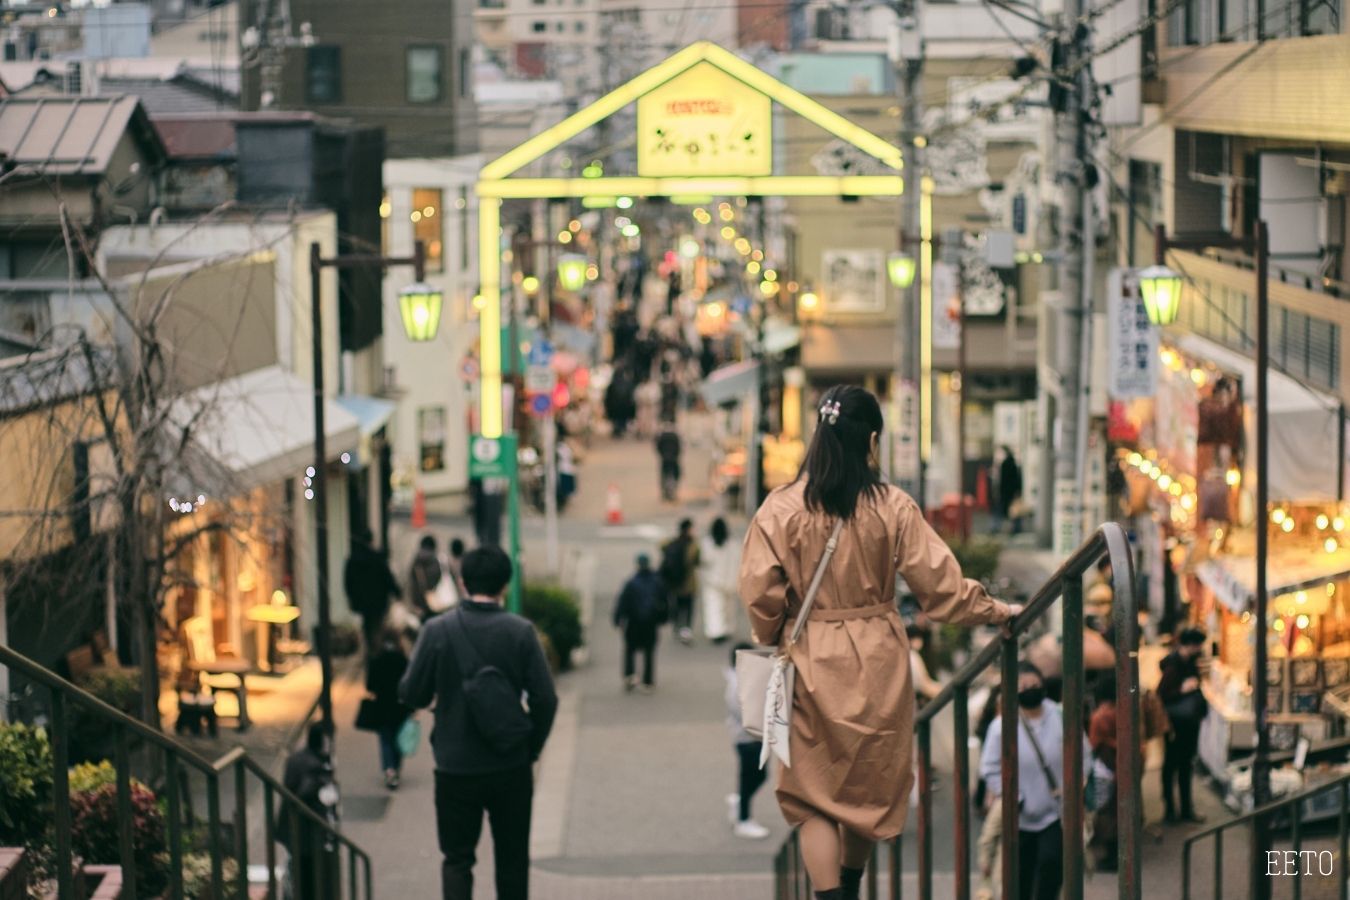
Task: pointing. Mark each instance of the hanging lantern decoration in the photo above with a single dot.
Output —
(900, 268)
(572, 271)
(1161, 290)
(420, 307)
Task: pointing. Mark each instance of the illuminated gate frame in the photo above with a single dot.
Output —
(495, 185)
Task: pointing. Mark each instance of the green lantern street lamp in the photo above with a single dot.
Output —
(420, 306)
(572, 271)
(1161, 290)
(900, 268)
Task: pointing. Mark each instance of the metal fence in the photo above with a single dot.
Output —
(338, 868)
(1109, 542)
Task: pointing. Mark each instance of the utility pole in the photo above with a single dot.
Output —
(906, 54)
(1075, 245)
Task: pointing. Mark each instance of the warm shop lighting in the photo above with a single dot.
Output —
(1161, 290)
(420, 307)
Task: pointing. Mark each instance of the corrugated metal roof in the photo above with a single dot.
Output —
(66, 135)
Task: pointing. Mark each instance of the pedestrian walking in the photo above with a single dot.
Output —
(308, 774)
(620, 404)
(853, 706)
(668, 450)
(680, 559)
(370, 587)
(1009, 491)
(1040, 779)
(1102, 738)
(455, 564)
(639, 612)
(477, 663)
(719, 566)
(424, 577)
(1179, 690)
(382, 679)
(750, 775)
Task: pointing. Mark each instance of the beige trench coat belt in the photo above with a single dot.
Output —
(856, 612)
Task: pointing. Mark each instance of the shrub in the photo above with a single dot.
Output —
(90, 776)
(94, 833)
(554, 612)
(197, 876)
(978, 557)
(90, 736)
(549, 653)
(25, 785)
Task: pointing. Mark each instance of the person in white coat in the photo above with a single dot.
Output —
(719, 570)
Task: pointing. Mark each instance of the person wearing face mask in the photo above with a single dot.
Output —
(1040, 780)
(1179, 690)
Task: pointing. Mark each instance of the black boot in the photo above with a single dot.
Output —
(831, 894)
(850, 882)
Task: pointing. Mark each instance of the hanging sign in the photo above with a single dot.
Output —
(1132, 360)
(704, 123)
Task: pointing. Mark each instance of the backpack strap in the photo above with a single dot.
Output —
(468, 659)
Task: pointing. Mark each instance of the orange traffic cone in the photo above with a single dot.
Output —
(419, 510)
(613, 506)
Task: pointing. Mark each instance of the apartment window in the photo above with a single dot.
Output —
(424, 74)
(559, 26)
(465, 71)
(431, 438)
(539, 27)
(428, 225)
(323, 74)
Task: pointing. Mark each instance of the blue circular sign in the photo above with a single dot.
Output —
(541, 404)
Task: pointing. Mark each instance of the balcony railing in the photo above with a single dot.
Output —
(1109, 542)
(228, 783)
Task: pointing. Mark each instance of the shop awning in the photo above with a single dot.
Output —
(731, 382)
(372, 413)
(259, 427)
(1305, 426)
(1233, 579)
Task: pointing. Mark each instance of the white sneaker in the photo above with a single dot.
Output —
(750, 830)
(733, 808)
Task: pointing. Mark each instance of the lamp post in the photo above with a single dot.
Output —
(1161, 290)
(420, 306)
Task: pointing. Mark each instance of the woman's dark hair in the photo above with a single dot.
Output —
(486, 571)
(719, 531)
(838, 465)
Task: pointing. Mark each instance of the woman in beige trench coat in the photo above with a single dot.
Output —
(853, 704)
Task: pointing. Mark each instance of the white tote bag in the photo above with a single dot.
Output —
(444, 595)
(765, 677)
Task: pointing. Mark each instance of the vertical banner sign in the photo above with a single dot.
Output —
(946, 311)
(1068, 525)
(1132, 358)
(704, 123)
(905, 433)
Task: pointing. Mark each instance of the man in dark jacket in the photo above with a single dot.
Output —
(472, 775)
(1179, 690)
(424, 576)
(309, 775)
(370, 587)
(640, 611)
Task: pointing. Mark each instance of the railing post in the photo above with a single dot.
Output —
(1186, 870)
(1008, 761)
(872, 873)
(1129, 743)
(351, 873)
(270, 840)
(897, 864)
(213, 834)
(126, 828)
(1218, 864)
(171, 776)
(961, 782)
(1073, 677)
(370, 878)
(925, 811)
(241, 825)
(1296, 838)
(65, 873)
(1343, 827)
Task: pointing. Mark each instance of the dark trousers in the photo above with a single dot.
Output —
(1040, 863)
(684, 611)
(1178, 763)
(391, 758)
(633, 644)
(461, 801)
(752, 776)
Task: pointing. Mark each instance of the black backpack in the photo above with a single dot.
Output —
(674, 562)
(649, 606)
(492, 701)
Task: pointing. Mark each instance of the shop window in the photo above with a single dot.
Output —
(427, 218)
(424, 74)
(431, 438)
(539, 27)
(323, 74)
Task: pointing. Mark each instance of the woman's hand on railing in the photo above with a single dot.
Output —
(1006, 629)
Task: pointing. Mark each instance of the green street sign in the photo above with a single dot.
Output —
(492, 457)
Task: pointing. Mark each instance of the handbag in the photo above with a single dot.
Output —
(443, 596)
(765, 677)
(409, 736)
(369, 716)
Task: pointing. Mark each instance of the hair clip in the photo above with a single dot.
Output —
(830, 411)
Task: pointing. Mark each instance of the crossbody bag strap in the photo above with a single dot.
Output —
(814, 589)
(469, 660)
(1040, 757)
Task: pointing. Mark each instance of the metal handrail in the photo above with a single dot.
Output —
(1110, 542)
(321, 834)
(1293, 804)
